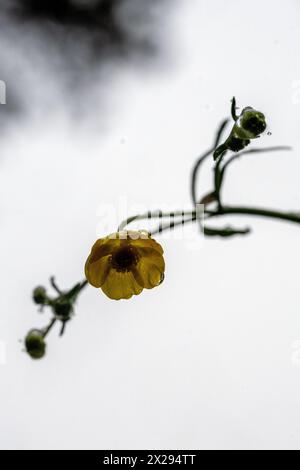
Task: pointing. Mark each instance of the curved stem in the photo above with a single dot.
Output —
(270, 213)
(191, 216)
(218, 182)
(54, 285)
(220, 132)
(202, 158)
(209, 231)
(195, 173)
(162, 215)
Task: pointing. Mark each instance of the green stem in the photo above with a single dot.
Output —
(158, 215)
(191, 216)
(218, 182)
(54, 285)
(202, 158)
(273, 214)
(48, 328)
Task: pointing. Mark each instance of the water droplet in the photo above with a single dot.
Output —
(269, 133)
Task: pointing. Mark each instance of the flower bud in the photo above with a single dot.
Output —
(39, 295)
(235, 144)
(35, 344)
(254, 122)
(63, 308)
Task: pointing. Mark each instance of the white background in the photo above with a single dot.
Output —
(210, 359)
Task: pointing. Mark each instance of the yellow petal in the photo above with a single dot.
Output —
(148, 252)
(149, 271)
(103, 247)
(148, 243)
(119, 285)
(96, 272)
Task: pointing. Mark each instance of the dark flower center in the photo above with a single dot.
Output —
(124, 258)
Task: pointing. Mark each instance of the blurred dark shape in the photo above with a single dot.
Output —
(14, 106)
(54, 48)
(95, 16)
(101, 23)
(83, 13)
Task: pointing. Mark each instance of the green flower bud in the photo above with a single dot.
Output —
(35, 344)
(39, 295)
(63, 308)
(235, 144)
(253, 121)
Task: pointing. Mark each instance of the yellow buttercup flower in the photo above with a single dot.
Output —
(124, 263)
